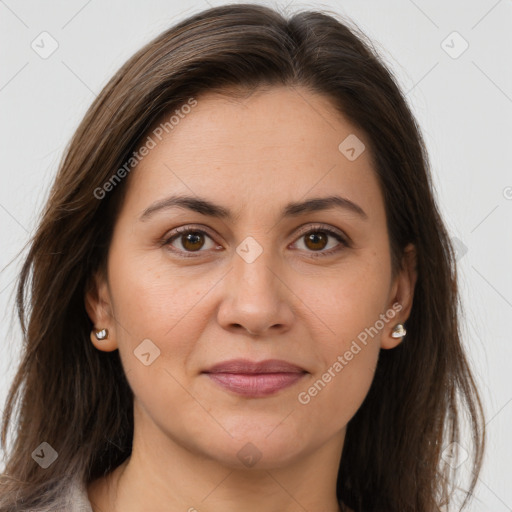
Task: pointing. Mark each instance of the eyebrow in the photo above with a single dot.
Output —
(293, 209)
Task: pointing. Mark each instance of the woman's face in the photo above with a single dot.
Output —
(273, 269)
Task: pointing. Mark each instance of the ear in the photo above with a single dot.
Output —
(402, 293)
(98, 305)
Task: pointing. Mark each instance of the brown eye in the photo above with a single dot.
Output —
(186, 241)
(189, 240)
(316, 240)
(192, 241)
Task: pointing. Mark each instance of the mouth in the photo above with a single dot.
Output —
(255, 379)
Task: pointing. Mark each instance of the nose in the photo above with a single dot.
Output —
(255, 298)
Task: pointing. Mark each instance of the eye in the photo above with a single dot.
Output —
(316, 238)
(192, 240)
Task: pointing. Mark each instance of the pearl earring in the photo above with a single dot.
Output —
(398, 331)
(101, 334)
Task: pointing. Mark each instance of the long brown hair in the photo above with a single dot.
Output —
(77, 398)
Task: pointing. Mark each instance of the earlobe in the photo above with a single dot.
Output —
(98, 307)
(101, 340)
(395, 337)
(402, 294)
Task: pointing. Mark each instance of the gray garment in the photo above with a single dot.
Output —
(73, 499)
(77, 499)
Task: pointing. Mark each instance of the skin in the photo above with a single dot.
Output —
(252, 156)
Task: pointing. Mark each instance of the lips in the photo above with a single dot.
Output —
(247, 366)
(255, 378)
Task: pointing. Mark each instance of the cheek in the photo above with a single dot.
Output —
(155, 306)
(347, 300)
(347, 345)
(337, 393)
(154, 297)
(151, 304)
(347, 312)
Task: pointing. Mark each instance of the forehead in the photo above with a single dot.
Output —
(278, 144)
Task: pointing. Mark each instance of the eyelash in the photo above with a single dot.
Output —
(313, 229)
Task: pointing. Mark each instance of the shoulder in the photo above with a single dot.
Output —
(75, 498)
(70, 496)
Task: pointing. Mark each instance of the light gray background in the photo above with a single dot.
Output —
(463, 105)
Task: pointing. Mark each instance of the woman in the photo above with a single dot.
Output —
(243, 295)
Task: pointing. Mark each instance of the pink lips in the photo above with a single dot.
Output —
(255, 379)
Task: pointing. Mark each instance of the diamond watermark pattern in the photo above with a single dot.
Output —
(249, 250)
(351, 147)
(44, 455)
(146, 352)
(460, 248)
(44, 45)
(449, 455)
(454, 45)
(249, 455)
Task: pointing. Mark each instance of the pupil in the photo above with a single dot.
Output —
(192, 238)
(315, 239)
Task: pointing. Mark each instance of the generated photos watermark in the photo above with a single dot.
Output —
(150, 143)
(304, 397)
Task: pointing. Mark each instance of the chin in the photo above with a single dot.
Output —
(255, 450)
